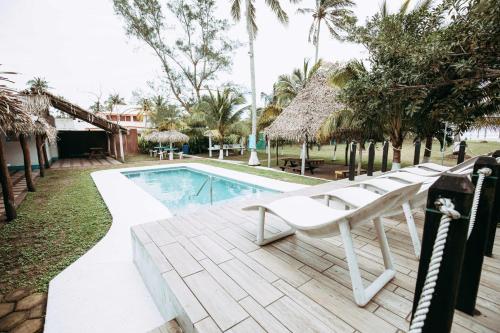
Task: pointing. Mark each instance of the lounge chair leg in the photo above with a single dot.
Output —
(260, 230)
(412, 228)
(361, 295)
(384, 244)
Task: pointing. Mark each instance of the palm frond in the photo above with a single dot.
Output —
(236, 10)
(404, 7)
(275, 6)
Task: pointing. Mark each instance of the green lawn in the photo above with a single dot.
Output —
(55, 226)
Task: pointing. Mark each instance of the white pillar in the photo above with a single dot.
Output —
(209, 146)
(221, 153)
(171, 153)
(268, 153)
(122, 154)
(303, 164)
(227, 150)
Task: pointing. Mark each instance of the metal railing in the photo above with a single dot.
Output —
(209, 181)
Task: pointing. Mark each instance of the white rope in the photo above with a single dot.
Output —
(447, 208)
(483, 172)
(400, 148)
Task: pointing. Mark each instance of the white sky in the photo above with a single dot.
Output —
(80, 47)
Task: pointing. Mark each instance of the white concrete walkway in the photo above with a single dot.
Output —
(102, 291)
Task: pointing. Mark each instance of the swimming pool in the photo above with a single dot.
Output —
(187, 189)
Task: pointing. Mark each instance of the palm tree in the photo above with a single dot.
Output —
(38, 84)
(288, 86)
(163, 115)
(251, 26)
(336, 16)
(220, 114)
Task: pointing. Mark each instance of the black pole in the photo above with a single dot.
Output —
(416, 156)
(277, 152)
(385, 154)
(476, 243)
(460, 190)
(496, 219)
(371, 158)
(352, 161)
(461, 152)
(346, 161)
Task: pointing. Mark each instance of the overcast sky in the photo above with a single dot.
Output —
(80, 47)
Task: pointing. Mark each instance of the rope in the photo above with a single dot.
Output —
(483, 172)
(447, 208)
(400, 148)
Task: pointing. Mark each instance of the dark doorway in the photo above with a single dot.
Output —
(78, 143)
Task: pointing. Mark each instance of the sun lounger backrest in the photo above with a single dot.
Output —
(385, 203)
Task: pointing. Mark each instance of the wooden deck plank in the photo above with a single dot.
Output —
(262, 316)
(295, 318)
(261, 290)
(211, 249)
(225, 281)
(248, 325)
(223, 309)
(279, 267)
(182, 261)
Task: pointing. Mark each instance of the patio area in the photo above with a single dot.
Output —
(84, 162)
(205, 271)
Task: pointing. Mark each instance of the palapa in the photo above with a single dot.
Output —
(303, 117)
(166, 137)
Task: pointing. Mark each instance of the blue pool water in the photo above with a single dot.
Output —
(183, 188)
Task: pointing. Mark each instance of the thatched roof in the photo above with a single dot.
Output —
(12, 117)
(308, 110)
(166, 137)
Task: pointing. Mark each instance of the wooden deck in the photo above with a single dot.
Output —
(83, 162)
(218, 280)
(20, 189)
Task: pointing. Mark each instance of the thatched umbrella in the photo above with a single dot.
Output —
(12, 120)
(304, 116)
(164, 137)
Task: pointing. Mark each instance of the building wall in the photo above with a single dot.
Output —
(14, 153)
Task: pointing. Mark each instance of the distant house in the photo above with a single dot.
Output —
(128, 116)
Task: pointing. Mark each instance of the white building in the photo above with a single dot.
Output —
(128, 116)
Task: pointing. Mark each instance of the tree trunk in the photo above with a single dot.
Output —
(428, 149)
(45, 154)
(7, 190)
(23, 140)
(316, 56)
(41, 161)
(397, 145)
(254, 159)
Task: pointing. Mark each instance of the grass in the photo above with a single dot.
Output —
(54, 227)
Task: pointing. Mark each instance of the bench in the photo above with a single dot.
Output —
(295, 163)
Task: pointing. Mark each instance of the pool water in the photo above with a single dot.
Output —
(185, 189)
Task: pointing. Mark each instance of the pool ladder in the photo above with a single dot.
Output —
(207, 181)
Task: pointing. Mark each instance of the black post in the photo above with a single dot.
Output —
(346, 162)
(461, 152)
(385, 154)
(352, 161)
(496, 218)
(477, 241)
(460, 190)
(371, 158)
(416, 156)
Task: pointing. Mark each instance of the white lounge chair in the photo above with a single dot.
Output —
(381, 186)
(348, 208)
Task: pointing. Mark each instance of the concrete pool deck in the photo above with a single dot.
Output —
(103, 291)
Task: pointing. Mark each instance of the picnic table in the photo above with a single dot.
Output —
(344, 173)
(294, 163)
(95, 152)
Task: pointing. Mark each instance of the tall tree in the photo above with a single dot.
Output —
(188, 38)
(114, 99)
(251, 26)
(288, 86)
(222, 110)
(38, 84)
(335, 14)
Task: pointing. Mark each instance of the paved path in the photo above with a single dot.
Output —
(22, 312)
